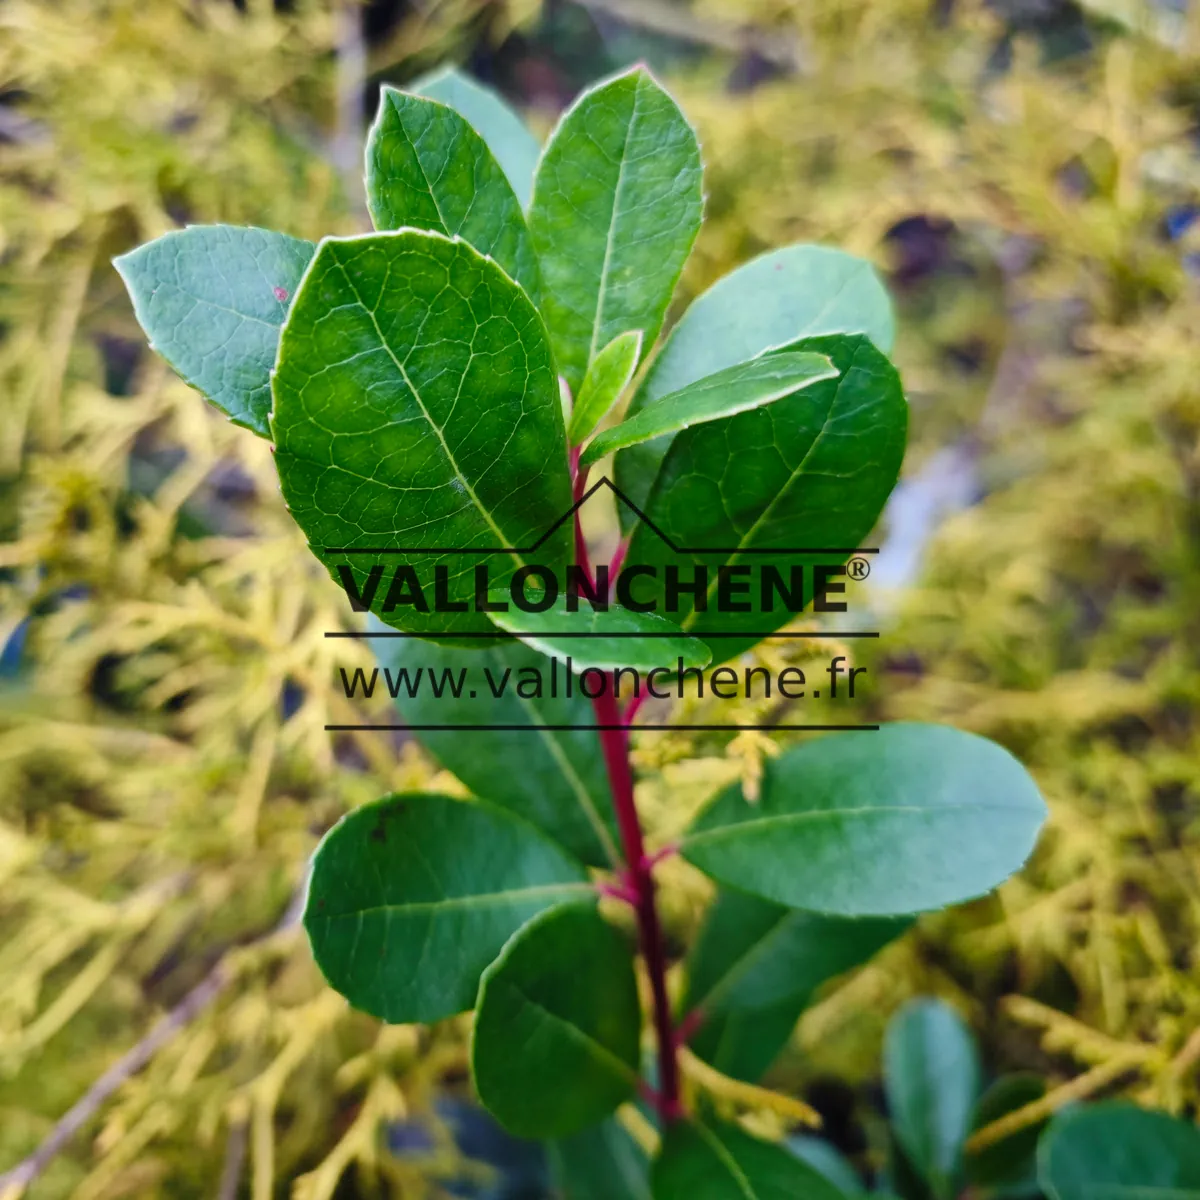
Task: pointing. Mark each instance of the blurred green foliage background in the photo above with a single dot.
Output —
(1027, 173)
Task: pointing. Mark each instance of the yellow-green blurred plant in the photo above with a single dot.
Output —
(163, 767)
(1052, 341)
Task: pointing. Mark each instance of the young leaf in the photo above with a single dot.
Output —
(775, 299)
(507, 136)
(557, 1023)
(406, 363)
(754, 968)
(908, 818)
(616, 206)
(428, 169)
(711, 1161)
(606, 640)
(413, 895)
(606, 378)
(1007, 1168)
(736, 389)
(553, 777)
(211, 299)
(931, 1078)
(811, 471)
(601, 1163)
(1115, 1151)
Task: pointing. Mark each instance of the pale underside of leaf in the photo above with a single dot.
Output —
(212, 299)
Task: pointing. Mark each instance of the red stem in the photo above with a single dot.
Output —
(637, 881)
(615, 743)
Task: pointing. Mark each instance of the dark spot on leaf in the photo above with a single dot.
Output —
(379, 833)
(281, 294)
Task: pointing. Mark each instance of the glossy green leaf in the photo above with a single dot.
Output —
(931, 1078)
(549, 770)
(811, 471)
(754, 969)
(607, 377)
(617, 203)
(900, 820)
(557, 1025)
(413, 895)
(211, 299)
(417, 409)
(428, 169)
(507, 136)
(712, 1161)
(737, 389)
(590, 637)
(1115, 1151)
(778, 298)
(1007, 1168)
(601, 1163)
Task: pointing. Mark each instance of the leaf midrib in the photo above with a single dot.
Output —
(796, 818)
(726, 1159)
(747, 538)
(602, 291)
(429, 187)
(577, 786)
(459, 903)
(600, 1053)
(741, 965)
(497, 532)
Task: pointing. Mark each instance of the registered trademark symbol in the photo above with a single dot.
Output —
(858, 568)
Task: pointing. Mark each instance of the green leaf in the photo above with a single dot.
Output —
(756, 965)
(735, 390)
(1007, 1168)
(413, 895)
(606, 640)
(555, 1045)
(828, 1160)
(428, 169)
(617, 203)
(811, 471)
(931, 1079)
(908, 818)
(1116, 1151)
(773, 300)
(607, 377)
(553, 777)
(514, 147)
(416, 408)
(211, 299)
(712, 1161)
(601, 1163)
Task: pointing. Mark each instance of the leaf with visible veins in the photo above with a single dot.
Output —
(211, 299)
(617, 203)
(428, 169)
(413, 896)
(417, 409)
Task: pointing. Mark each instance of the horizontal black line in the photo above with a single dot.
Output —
(483, 550)
(688, 633)
(597, 728)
